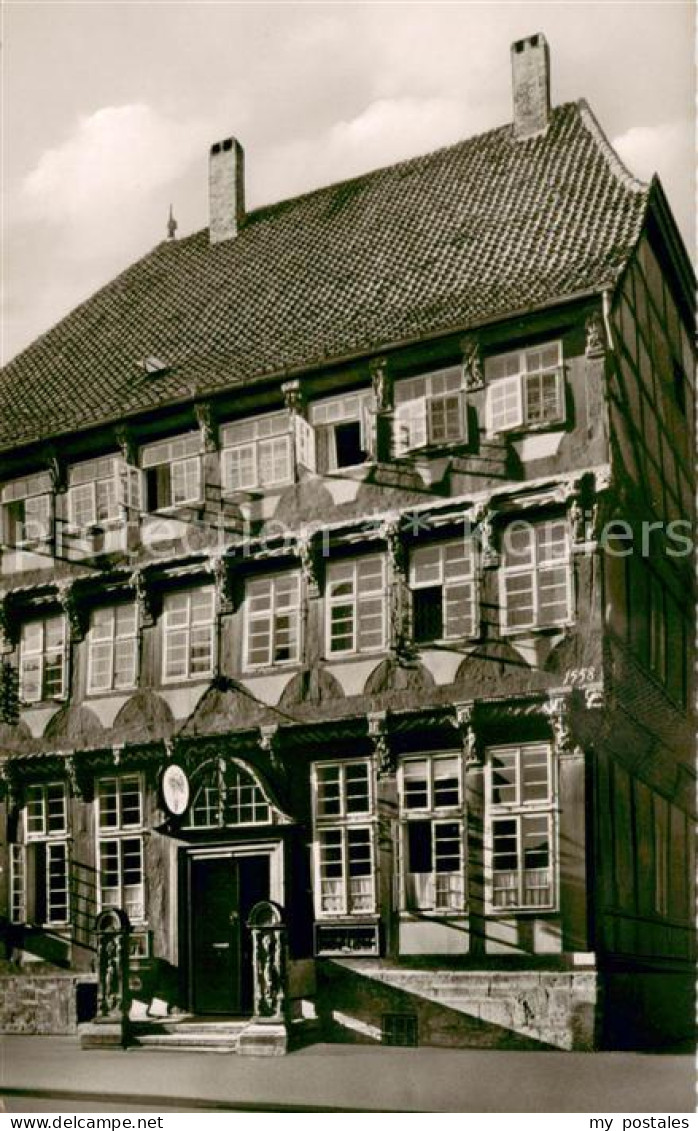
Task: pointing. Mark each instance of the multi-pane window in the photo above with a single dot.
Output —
(27, 507)
(521, 826)
(343, 430)
(432, 833)
(189, 634)
(430, 409)
(99, 490)
(344, 839)
(227, 795)
(113, 648)
(120, 845)
(173, 473)
(18, 883)
(42, 659)
(46, 861)
(525, 388)
(442, 580)
(536, 576)
(356, 608)
(272, 611)
(256, 453)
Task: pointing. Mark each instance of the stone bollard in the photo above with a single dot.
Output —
(267, 1033)
(110, 1027)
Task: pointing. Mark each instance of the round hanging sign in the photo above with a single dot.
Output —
(174, 784)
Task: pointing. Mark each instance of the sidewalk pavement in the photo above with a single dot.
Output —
(327, 1078)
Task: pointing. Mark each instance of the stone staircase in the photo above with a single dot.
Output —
(480, 1009)
(189, 1033)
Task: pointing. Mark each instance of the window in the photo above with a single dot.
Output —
(442, 580)
(520, 826)
(344, 839)
(432, 832)
(27, 506)
(344, 429)
(120, 852)
(42, 660)
(18, 881)
(356, 606)
(113, 649)
(525, 388)
(100, 489)
(46, 812)
(189, 632)
(173, 472)
(227, 795)
(272, 607)
(45, 861)
(536, 576)
(256, 453)
(430, 409)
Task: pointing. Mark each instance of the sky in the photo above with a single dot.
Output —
(109, 109)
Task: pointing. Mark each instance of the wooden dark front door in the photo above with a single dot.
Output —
(223, 889)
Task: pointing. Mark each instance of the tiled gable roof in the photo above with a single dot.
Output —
(470, 233)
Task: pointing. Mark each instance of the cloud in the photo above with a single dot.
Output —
(115, 156)
(666, 149)
(387, 130)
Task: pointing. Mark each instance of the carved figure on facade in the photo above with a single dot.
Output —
(206, 425)
(126, 442)
(293, 396)
(307, 550)
(473, 370)
(484, 524)
(218, 565)
(557, 709)
(382, 384)
(378, 733)
(73, 608)
(144, 598)
(595, 335)
(464, 722)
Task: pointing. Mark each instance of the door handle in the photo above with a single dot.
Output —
(220, 946)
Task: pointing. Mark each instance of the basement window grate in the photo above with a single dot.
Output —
(399, 1029)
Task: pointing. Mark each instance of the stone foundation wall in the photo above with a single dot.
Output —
(46, 1004)
(456, 1008)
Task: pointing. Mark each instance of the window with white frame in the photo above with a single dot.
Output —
(272, 620)
(189, 634)
(42, 659)
(120, 844)
(113, 648)
(356, 605)
(227, 795)
(344, 428)
(536, 576)
(444, 593)
(173, 472)
(525, 388)
(343, 811)
(432, 833)
(101, 490)
(46, 861)
(430, 410)
(256, 453)
(27, 511)
(18, 883)
(521, 827)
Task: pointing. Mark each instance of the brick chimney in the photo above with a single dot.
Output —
(226, 189)
(530, 73)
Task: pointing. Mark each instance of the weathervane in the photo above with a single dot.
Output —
(171, 225)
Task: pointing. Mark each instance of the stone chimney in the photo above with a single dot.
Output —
(226, 189)
(530, 73)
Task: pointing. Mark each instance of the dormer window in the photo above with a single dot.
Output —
(27, 511)
(344, 429)
(430, 410)
(173, 475)
(256, 453)
(526, 388)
